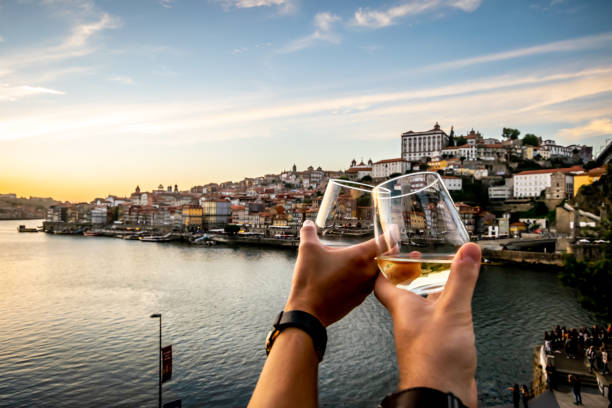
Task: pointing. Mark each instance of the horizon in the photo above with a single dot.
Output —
(98, 97)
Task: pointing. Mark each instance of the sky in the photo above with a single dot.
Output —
(98, 96)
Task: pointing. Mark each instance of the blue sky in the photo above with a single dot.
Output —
(98, 96)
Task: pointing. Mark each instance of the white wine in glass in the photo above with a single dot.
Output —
(418, 231)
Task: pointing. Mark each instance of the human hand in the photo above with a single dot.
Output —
(434, 336)
(329, 282)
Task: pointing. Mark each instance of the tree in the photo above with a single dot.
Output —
(510, 133)
(531, 140)
(591, 164)
(451, 137)
(460, 141)
(367, 178)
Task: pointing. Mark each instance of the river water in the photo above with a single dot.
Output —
(75, 328)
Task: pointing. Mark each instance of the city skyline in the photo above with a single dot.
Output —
(98, 97)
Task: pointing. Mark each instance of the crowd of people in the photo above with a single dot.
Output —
(592, 342)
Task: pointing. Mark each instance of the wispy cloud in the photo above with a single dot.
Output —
(1, 38)
(323, 23)
(378, 18)
(284, 6)
(75, 45)
(167, 3)
(13, 93)
(486, 102)
(576, 44)
(239, 51)
(596, 127)
(122, 79)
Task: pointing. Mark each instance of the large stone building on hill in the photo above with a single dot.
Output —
(418, 145)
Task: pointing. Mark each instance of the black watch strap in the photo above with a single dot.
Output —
(301, 320)
(421, 397)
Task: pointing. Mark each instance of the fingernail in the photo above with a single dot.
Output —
(471, 252)
(308, 223)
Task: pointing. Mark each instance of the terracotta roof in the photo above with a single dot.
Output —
(544, 171)
(391, 161)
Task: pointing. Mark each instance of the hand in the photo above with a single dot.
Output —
(434, 336)
(329, 282)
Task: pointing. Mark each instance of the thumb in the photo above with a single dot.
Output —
(463, 276)
(308, 233)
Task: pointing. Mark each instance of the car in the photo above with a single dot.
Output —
(584, 241)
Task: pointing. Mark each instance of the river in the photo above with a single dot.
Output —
(75, 327)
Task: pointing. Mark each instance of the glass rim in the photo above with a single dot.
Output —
(342, 183)
(439, 180)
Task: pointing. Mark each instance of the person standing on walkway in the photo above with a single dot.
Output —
(550, 376)
(516, 395)
(604, 360)
(525, 395)
(576, 386)
(590, 354)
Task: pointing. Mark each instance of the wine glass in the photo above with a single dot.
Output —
(418, 231)
(345, 214)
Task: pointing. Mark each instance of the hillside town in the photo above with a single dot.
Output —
(502, 186)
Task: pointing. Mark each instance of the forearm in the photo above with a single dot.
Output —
(289, 376)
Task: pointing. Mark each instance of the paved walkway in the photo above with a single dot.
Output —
(563, 398)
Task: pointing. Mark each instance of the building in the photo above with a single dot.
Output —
(531, 183)
(453, 183)
(469, 216)
(359, 171)
(566, 217)
(550, 149)
(419, 145)
(192, 217)
(500, 192)
(493, 151)
(586, 178)
(561, 186)
(216, 212)
(384, 168)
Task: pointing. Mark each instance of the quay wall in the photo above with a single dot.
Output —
(523, 257)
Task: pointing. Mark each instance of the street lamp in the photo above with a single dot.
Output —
(155, 316)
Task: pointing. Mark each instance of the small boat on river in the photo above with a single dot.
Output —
(22, 228)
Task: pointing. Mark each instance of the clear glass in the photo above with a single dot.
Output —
(345, 214)
(418, 231)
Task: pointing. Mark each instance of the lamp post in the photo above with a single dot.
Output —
(159, 357)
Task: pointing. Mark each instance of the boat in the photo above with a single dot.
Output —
(22, 228)
(90, 234)
(157, 238)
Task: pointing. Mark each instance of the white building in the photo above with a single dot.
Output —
(500, 192)
(384, 168)
(418, 145)
(359, 171)
(453, 183)
(549, 150)
(98, 215)
(531, 183)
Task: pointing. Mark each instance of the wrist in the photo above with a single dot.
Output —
(304, 306)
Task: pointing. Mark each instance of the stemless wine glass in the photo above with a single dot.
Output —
(345, 215)
(418, 231)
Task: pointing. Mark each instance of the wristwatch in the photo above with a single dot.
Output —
(303, 321)
(421, 397)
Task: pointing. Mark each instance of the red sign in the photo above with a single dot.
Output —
(166, 363)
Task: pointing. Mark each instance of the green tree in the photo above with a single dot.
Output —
(510, 133)
(366, 179)
(531, 140)
(591, 164)
(460, 141)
